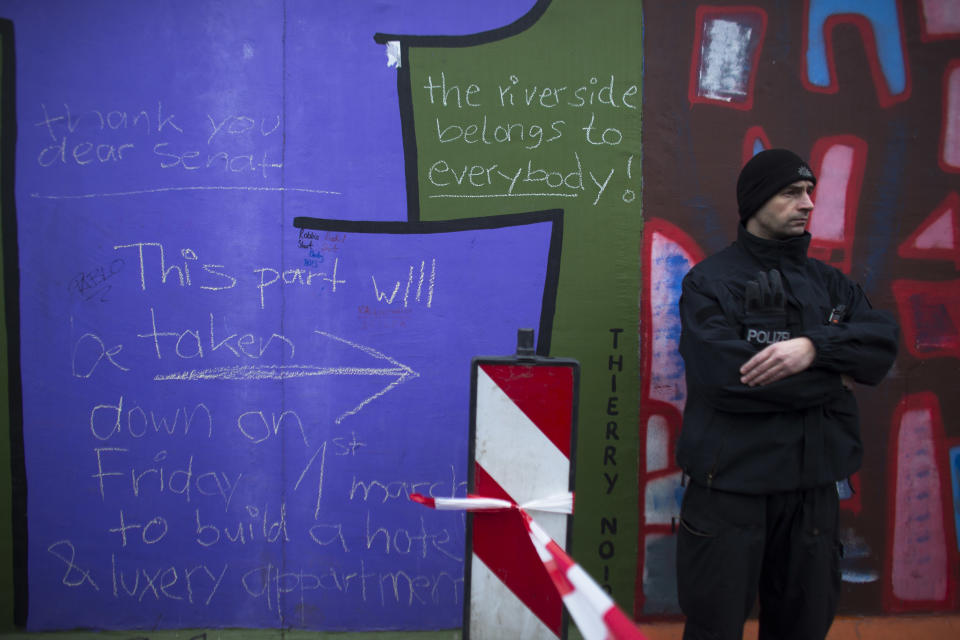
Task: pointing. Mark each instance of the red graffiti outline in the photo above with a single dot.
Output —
(945, 116)
(754, 133)
(703, 11)
(679, 237)
(926, 36)
(648, 406)
(674, 420)
(820, 248)
(909, 249)
(904, 293)
(853, 504)
(884, 98)
(923, 400)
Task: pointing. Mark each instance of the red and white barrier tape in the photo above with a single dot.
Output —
(594, 612)
(560, 503)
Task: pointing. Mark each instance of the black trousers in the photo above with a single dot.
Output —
(783, 547)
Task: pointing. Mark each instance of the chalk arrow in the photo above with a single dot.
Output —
(283, 372)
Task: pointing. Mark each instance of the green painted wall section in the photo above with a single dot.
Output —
(555, 111)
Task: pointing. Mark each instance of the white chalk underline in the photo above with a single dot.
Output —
(506, 195)
(167, 189)
(275, 372)
(86, 196)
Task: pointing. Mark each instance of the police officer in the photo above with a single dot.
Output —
(772, 341)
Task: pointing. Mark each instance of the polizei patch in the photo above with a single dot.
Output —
(766, 336)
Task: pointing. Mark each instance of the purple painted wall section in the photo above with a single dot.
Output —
(296, 94)
(238, 359)
(257, 460)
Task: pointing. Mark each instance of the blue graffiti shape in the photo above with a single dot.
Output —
(885, 22)
(887, 198)
(955, 482)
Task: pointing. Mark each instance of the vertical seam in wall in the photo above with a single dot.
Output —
(283, 297)
(11, 309)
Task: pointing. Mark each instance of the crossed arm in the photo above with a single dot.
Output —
(804, 371)
(782, 359)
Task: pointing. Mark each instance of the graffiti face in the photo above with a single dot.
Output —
(784, 215)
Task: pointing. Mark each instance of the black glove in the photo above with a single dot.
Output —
(765, 321)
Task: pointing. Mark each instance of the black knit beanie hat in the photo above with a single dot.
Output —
(765, 174)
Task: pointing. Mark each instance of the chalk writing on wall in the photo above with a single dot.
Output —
(539, 112)
(239, 355)
(304, 521)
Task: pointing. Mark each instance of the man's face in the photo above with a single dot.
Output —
(785, 215)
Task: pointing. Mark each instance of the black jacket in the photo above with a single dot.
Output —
(799, 432)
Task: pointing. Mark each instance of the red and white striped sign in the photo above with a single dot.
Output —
(595, 613)
(522, 426)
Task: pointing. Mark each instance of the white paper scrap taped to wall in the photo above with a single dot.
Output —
(725, 68)
(393, 53)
